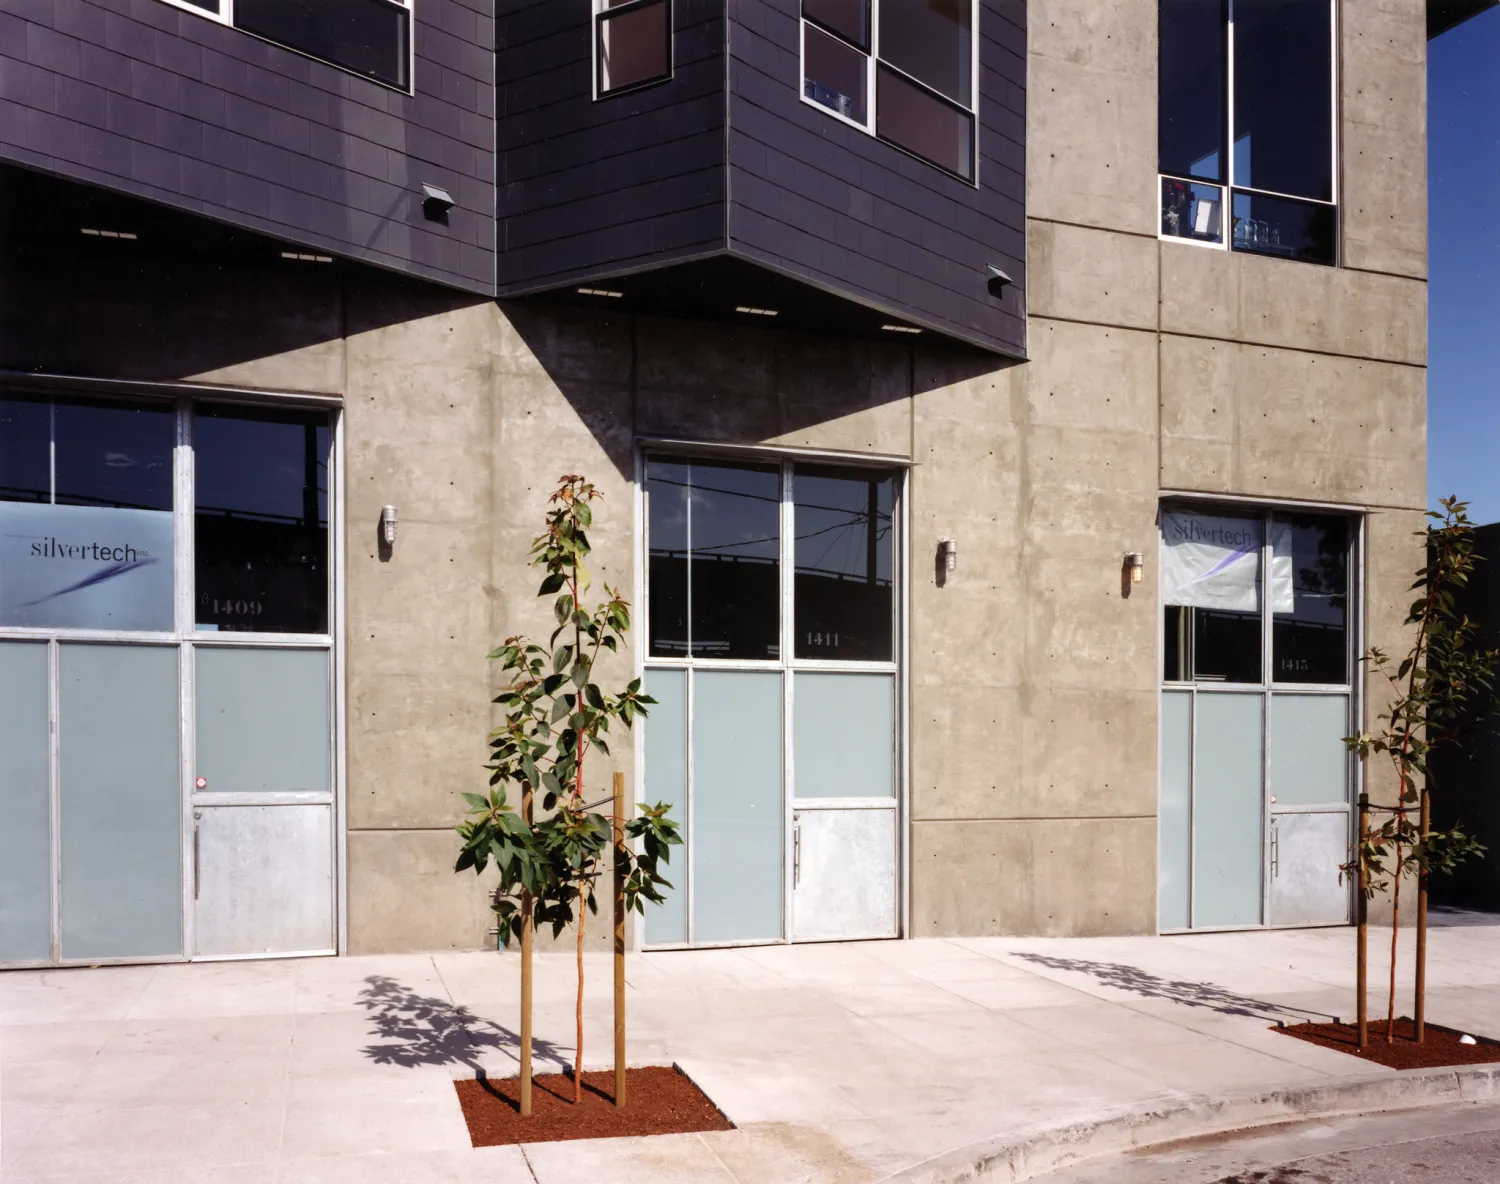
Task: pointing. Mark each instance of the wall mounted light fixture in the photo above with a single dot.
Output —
(388, 525)
(1136, 562)
(949, 550)
(436, 202)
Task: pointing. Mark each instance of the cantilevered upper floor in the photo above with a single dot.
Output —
(317, 123)
(856, 164)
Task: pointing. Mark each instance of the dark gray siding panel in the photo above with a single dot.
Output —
(633, 180)
(818, 198)
(140, 96)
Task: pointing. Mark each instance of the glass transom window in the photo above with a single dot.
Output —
(903, 70)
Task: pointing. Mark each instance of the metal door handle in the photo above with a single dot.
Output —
(796, 851)
(197, 861)
(1275, 850)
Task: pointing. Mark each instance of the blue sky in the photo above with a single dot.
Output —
(1463, 111)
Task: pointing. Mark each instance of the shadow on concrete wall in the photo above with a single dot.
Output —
(184, 297)
(630, 376)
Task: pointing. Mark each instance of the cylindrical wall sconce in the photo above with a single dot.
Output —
(388, 524)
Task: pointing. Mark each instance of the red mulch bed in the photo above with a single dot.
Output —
(658, 1101)
(1441, 1046)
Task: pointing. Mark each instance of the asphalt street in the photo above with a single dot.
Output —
(1434, 1145)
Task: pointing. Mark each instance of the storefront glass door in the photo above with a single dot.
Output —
(166, 679)
(771, 644)
(1258, 642)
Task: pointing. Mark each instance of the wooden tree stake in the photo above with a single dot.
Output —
(1362, 939)
(619, 894)
(526, 943)
(1420, 1012)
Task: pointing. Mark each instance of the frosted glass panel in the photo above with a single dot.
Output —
(121, 802)
(1309, 761)
(1175, 824)
(666, 781)
(263, 721)
(1227, 811)
(737, 806)
(25, 894)
(845, 735)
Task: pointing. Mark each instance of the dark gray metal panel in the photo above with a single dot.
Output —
(819, 198)
(631, 180)
(144, 97)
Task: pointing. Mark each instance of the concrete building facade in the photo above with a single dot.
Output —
(1044, 421)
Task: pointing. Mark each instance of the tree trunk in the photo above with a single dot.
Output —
(1362, 932)
(526, 1004)
(1419, 1013)
(526, 944)
(619, 895)
(1390, 1015)
(578, 1010)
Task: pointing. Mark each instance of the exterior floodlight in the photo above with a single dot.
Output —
(997, 280)
(388, 524)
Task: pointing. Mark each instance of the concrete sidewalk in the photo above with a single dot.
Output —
(837, 1062)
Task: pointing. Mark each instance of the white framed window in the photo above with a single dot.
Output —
(1248, 126)
(905, 71)
(632, 45)
(371, 38)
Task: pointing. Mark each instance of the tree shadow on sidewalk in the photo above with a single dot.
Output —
(418, 1029)
(1184, 992)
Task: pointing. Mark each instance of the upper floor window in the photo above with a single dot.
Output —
(904, 70)
(369, 37)
(632, 44)
(1247, 119)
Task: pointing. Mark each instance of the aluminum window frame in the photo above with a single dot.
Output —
(185, 638)
(599, 15)
(1265, 510)
(1228, 188)
(873, 61)
(787, 665)
(225, 16)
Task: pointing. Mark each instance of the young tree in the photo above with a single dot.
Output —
(1443, 682)
(555, 716)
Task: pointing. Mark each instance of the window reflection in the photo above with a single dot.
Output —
(714, 567)
(844, 547)
(1279, 226)
(1190, 210)
(834, 75)
(1309, 632)
(923, 124)
(635, 46)
(850, 19)
(1192, 116)
(261, 520)
(932, 40)
(1283, 130)
(86, 514)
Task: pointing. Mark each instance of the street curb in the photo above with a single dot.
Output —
(1024, 1154)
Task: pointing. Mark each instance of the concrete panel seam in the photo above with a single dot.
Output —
(1400, 275)
(1291, 349)
(1100, 229)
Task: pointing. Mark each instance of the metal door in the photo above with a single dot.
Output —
(1307, 850)
(843, 873)
(262, 801)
